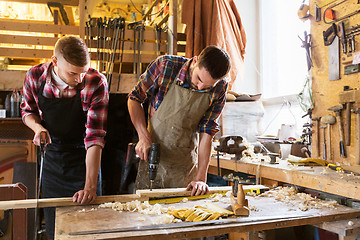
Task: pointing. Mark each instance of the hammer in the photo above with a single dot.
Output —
(357, 112)
(337, 110)
(324, 142)
(329, 120)
(317, 134)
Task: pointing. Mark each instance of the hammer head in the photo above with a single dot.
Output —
(328, 119)
(336, 108)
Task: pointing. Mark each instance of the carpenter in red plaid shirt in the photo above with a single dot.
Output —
(69, 101)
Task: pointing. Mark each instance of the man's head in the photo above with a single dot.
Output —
(71, 60)
(209, 67)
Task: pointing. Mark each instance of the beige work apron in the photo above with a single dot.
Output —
(175, 126)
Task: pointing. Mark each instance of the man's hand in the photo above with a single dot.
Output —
(142, 148)
(85, 196)
(198, 188)
(36, 139)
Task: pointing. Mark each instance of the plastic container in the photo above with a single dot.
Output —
(242, 119)
(15, 104)
(7, 105)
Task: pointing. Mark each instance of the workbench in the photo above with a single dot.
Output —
(314, 177)
(269, 214)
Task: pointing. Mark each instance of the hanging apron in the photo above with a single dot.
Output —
(174, 126)
(64, 168)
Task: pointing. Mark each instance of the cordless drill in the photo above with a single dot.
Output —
(153, 159)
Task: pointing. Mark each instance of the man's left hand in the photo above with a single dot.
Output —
(85, 196)
(198, 188)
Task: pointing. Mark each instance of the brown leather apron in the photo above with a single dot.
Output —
(175, 126)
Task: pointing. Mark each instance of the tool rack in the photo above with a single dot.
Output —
(327, 93)
(29, 43)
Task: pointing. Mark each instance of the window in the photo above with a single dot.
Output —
(283, 61)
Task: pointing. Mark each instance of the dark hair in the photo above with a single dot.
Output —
(74, 50)
(215, 60)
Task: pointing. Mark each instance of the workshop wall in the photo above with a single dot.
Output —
(326, 92)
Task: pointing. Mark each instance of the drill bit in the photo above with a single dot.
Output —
(151, 184)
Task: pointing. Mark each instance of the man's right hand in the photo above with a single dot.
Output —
(142, 148)
(36, 139)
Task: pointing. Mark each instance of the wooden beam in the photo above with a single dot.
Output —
(28, 40)
(61, 202)
(9, 25)
(64, 2)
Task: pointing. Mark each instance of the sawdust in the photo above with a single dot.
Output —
(303, 201)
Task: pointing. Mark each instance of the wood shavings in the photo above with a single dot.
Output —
(137, 206)
(302, 201)
(216, 197)
(350, 223)
(84, 210)
(248, 155)
(253, 208)
(164, 219)
(228, 194)
(185, 200)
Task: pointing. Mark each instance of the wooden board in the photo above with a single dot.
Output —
(271, 214)
(57, 202)
(315, 177)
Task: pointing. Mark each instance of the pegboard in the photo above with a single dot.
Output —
(327, 93)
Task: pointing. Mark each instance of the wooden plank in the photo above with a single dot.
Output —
(127, 82)
(60, 202)
(316, 177)
(179, 192)
(26, 53)
(64, 2)
(342, 227)
(78, 219)
(9, 25)
(28, 40)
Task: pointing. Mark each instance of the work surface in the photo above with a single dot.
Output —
(315, 177)
(267, 213)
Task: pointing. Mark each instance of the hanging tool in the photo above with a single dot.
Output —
(121, 54)
(153, 159)
(158, 37)
(357, 112)
(347, 130)
(138, 28)
(331, 39)
(337, 110)
(343, 37)
(43, 142)
(324, 142)
(317, 125)
(306, 45)
(329, 120)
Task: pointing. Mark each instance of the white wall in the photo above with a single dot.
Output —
(249, 82)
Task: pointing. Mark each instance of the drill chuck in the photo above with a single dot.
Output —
(154, 159)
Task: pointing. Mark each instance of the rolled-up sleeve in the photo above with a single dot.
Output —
(97, 115)
(149, 81)
(208, 122)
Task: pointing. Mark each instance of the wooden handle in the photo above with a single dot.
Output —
(347, 124)
(329, 144)
(341, 143)
(358, 138)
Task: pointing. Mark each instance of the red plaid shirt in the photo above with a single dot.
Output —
(94, 97)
